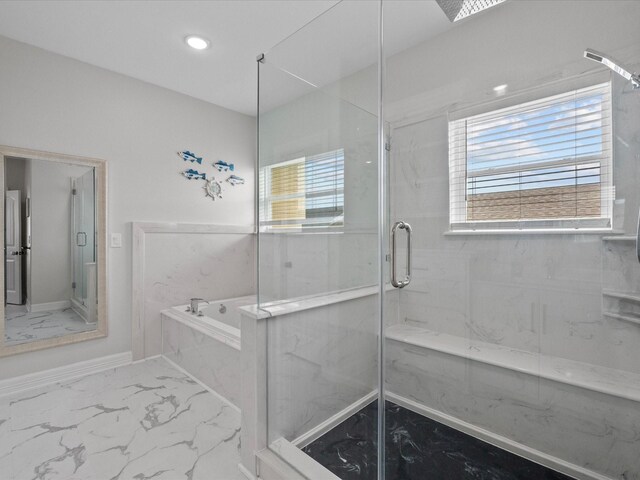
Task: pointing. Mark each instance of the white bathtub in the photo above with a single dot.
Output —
(207, 346)
(219, 317)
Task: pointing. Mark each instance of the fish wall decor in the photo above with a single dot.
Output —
(188, 156)
(192, 174)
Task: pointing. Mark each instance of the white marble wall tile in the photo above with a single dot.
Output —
(320, 361)
(214, 363)
(537, 292)
(295, 265)
(593, 430)
(180, 266)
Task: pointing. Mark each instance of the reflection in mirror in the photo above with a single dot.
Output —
(50, 250)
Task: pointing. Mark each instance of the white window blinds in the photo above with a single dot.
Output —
(304, 193)
(540, 164)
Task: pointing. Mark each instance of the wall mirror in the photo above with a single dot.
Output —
(54, 270)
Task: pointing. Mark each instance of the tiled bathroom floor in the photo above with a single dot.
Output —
(22, 326)
(143, 421)
(417, 448)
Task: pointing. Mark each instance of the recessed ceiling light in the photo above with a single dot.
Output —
(197, 42)
(500, 88)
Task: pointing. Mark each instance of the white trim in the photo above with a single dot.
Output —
(300, 461)
(244, 471)
(330, 423)
(139, 232)
(499, 441)
(271, 467)
(230, 338)
(61, 374)
(202, 384)
(45, 307)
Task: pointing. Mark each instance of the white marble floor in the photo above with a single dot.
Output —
(22, 326)
(143, 421)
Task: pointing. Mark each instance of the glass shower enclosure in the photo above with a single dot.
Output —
(83, 245)
(447, 227)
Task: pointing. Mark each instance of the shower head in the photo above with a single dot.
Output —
(608, 62)
(458, 9)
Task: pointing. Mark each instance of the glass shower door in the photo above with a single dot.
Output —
(512, 352)
(318, 240)
(83, 237)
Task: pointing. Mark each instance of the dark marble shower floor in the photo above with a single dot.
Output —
(417, 448)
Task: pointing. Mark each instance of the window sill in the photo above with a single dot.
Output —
(538, 231)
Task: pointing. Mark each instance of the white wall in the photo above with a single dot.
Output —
(53, 103)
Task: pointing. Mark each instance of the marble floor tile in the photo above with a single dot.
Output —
(22, 326)
(417, 448)
(143, 421)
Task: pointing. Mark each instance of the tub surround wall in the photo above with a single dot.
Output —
(53, 103)
(214, 363)
(176, 262)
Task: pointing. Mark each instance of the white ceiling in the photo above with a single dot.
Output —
(145, 39)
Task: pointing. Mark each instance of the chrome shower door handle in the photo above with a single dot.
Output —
(79, 242)
(638, 238)
(394, 278)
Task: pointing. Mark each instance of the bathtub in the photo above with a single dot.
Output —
(207, 346)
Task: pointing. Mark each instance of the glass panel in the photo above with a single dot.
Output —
(83, 238)
(318, 234)
(511, 354)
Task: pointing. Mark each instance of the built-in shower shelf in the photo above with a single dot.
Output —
(619, 238)
(629, 297)
(623, 317)
(619, 383)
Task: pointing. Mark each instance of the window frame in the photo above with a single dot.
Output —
(310, 226)
(458, 163)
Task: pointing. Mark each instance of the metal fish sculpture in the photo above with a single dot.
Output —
(223, 166)
(192, 174)
(235, 180)
(188, 156)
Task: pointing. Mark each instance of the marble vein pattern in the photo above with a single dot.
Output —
(143, 421)
(22, 326)
(214, 363)
(417, 448)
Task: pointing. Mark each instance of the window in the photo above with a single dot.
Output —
(305, 193)
(543, 164)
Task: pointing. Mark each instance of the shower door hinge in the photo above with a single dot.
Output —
(74, 191)
(73, 284)
(387, 146)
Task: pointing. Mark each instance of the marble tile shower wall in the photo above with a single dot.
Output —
(541, 293)
(589, 429)
(295, 265)
(320, 361)
(179, 266)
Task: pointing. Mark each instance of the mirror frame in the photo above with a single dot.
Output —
(101, 248)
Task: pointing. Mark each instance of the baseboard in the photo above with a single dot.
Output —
(499, 441)
(316, 432)
(61, 374)
(199, 382)
(81, 310)
(44, 307)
